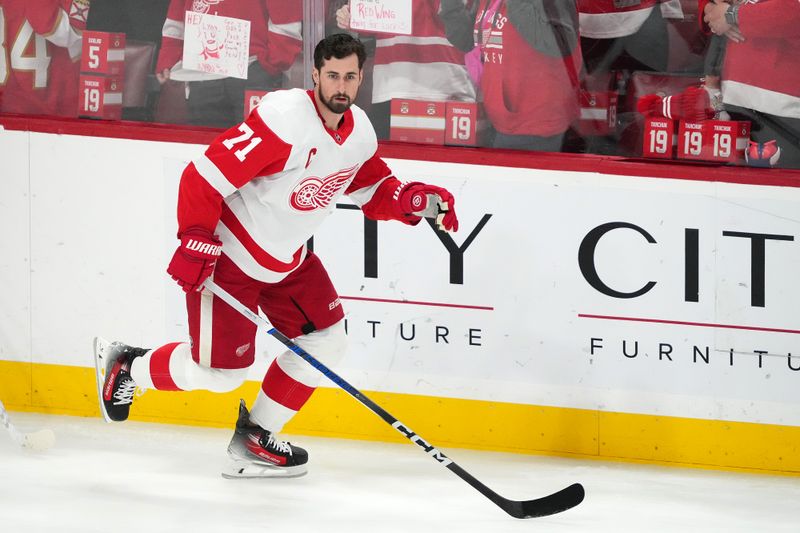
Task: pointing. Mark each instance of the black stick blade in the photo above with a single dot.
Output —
(552, 504)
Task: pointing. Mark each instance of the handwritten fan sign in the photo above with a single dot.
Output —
(383, 16)
(216, 45)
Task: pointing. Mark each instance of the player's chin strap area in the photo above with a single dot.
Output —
(551, 504)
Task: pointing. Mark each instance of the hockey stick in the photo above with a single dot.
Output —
(548, 505)
(38, 440)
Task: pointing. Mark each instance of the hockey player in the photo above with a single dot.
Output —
(246, 209)
(40, 48)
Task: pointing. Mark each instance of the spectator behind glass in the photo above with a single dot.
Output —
(275, 42)
(139, 20)
(760, 78)
(424, 65)
(623, 35)
(40, 59)
(529, 63)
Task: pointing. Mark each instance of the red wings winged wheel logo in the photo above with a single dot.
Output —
(315, 193)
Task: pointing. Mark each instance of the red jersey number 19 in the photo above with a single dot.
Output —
(659, 141)
(246, 136)
(722, 145)
(692, 142)
(462, 128)
(91, 99)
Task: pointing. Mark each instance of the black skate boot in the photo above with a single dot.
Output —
(115, 388)
(257, 453)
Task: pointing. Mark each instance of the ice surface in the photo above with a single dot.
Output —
(150, 478)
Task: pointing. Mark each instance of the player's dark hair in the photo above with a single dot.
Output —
(339, 45)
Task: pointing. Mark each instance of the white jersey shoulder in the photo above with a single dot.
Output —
(287, 113)
(363, 127)
(293, 117)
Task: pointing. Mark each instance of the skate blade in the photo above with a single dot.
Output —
(249, 470)
(100, 351)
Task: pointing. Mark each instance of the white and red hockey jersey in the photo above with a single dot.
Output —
(609, 19)
(423, 65)
(266, 185)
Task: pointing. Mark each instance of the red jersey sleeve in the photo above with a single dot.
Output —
(78, 12)
(48, 17)
(770, 18)
(234, 158)
(44, 15)
(376, 190)
(284, 35)
(59, 21)
(172, 36)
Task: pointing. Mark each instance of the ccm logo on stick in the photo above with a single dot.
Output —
(413, 437)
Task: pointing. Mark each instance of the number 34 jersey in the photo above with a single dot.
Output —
(266, 185)
(40, 45)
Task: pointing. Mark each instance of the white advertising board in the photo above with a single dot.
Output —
(15, 252)
(578, 290)
(568, 289)
(583, 290)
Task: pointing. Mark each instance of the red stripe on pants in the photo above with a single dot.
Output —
(159, 367)
(285, 390)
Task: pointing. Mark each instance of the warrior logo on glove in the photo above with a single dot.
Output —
(195, 258)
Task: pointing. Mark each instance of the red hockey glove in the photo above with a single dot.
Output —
(693, 104)
(195, 258)
(430, 201)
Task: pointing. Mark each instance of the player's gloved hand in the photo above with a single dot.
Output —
(430, 201)
(195, 258)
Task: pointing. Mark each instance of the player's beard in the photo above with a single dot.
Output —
(336, 106)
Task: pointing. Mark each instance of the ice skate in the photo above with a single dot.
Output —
(115, 387)
(255, 452)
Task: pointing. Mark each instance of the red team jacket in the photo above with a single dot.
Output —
(763, 72)
(40, 56)
(526, 92)
(275, 29)
(265, 186)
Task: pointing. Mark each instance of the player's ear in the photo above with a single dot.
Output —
(315, 76)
